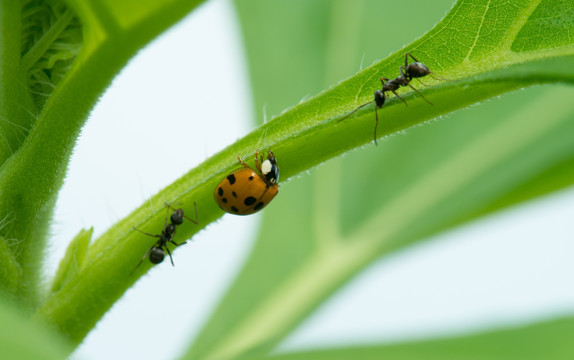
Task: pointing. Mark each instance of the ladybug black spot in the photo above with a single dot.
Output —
(234, 194)
(251, 178)
(231, 179)
(234, 209)
(220, 191)
(249, 200)
(259, 206)
(224, 200)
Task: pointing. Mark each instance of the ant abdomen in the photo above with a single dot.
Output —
(156, 255)
(417, 70)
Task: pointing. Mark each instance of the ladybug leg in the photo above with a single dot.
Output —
(257, 163)
(242, 162)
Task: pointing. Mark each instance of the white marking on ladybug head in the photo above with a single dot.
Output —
(266, 167)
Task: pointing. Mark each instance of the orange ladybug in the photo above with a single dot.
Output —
(246, 191)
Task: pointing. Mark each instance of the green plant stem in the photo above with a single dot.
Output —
(16, 107)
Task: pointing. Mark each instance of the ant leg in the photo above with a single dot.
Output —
(177, 244)
(397, 95)
(142, 259)
(432, 74)
(407, 58)
(148, 234)
(376, 126)
(402, 69)
(173, 242)
(421, 95)
(196, 221)
(170, 257)
(384, 80)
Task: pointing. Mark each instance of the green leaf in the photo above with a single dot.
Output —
(74, 260)
(23, 339)
(355, 210)
(550, 340)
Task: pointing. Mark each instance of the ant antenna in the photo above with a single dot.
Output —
(376, 126)
(355, 110)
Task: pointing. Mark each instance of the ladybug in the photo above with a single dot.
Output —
(246, 191)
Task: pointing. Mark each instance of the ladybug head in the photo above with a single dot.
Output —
(270, 170)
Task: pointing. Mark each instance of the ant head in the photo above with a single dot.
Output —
(380, 98)
(156, 255)
(177, 217)
(417, 70)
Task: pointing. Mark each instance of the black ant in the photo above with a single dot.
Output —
(409, 72)
(157, 251)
